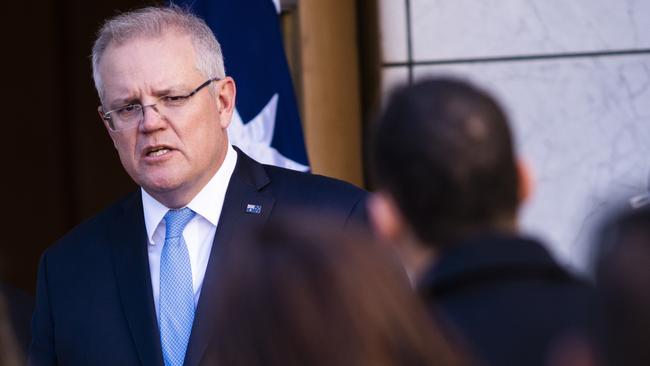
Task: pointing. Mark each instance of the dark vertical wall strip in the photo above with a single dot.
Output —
(369, 73)
(58, 165)
(63, 122)
(33, 202)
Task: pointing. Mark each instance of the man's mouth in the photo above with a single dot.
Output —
(157, 151)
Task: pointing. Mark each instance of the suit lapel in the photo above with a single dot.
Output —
(130, 259)
(244, 189)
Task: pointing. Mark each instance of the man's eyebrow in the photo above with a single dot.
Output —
(174, 89)
(121, 102)
(133, 99)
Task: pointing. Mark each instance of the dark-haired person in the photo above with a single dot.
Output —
(622, 271)
(126, 286)
(623, 283)
(297, 294)
(449, 186)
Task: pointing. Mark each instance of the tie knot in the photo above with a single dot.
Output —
(175, 221)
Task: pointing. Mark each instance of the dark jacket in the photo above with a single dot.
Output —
(94, 303)
(507, 299)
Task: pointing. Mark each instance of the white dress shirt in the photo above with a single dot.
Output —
(199, 232)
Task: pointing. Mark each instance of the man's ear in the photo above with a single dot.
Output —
(226, 95)
(385, 216)
(525, 179)
(100, 111)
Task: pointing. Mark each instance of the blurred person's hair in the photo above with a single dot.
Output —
(443, 150)
(623, 283)
(9, 351)
(154, 22)
(296, 294)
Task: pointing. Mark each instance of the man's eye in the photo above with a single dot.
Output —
(174, 100)
(129, 110)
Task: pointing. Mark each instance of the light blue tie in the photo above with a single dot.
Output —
(176, 301)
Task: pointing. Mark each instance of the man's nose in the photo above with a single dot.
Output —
(152, 119)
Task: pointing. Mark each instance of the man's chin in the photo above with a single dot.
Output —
(160, 186)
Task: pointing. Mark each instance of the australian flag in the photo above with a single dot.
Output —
(266, 124)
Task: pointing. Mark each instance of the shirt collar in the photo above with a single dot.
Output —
(207, 203)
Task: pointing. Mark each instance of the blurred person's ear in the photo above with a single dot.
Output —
(385, 217)
(389, 225)
(525, 178)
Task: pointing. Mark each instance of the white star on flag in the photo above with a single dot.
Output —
(254, 137)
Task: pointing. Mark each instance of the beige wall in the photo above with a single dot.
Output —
(330, 88)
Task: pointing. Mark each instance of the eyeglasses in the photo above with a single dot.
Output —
(130, 115)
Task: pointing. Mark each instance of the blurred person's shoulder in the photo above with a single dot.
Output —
(490, 288)
(512, 269)
(19, 307)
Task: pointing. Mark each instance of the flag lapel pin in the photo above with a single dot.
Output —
(253, 209)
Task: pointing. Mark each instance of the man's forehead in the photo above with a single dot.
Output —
(144, 53)
(165, 38)
(165, 62)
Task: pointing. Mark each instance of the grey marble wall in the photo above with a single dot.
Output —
(575, 79)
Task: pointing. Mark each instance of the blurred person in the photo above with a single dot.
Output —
(124, 287)
(449, 187)
(18, 308)
(623, 283)
(10, 353)
(296, 293)
(622, 271)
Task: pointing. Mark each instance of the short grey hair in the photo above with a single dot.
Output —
(151, 22)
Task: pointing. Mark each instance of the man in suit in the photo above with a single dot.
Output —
(131, 286)
(449, 189)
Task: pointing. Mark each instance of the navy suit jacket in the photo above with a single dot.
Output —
(94, 302)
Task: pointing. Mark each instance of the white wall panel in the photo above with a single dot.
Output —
(393, 30)
(452, 29)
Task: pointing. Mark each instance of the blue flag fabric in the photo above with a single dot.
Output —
(266, 124)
